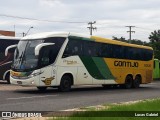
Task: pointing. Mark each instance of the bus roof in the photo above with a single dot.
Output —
(53, 34)
(116, 42)
(66, 34)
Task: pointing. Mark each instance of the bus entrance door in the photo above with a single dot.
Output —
(46, 76)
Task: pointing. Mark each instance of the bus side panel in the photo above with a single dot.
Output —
(120, 68)
(83, 77)
(119, 71)
(149, 76)
(68, 65)
(66, 70)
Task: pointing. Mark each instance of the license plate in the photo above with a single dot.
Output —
(19, 82)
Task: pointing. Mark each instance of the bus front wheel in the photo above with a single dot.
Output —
(65, 84)
(128, 82)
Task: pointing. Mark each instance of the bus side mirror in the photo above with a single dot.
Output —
(9, 47)
(40, 46)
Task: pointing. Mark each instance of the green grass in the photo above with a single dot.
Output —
(145, 105)
(120, 110)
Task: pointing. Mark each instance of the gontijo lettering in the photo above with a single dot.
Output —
(125, 64)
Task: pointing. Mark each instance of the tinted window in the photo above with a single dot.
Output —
(56, 48)
(92, 49)
(49, 53)
(96, 49)
(105, 50)
(74, 47)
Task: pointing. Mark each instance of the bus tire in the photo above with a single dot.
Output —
(7, 77)
(128, 82)
(65, 84)
(42, 88)
(136, 82)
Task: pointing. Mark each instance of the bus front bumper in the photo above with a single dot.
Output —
(25, 82)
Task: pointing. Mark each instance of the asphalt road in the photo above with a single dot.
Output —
(17, 98)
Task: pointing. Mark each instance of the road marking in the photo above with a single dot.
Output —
(31, 97)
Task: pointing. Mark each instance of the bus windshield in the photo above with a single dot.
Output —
(24, 58)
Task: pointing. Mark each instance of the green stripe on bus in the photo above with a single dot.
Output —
(91, 67)
(103, 68)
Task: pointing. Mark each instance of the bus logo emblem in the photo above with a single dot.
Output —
(48, 81)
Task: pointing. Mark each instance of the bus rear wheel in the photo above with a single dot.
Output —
(136, 82)
(65, 84)
(128, 82)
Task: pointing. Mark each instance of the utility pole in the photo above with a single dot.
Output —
(91, 27)
(130, 32)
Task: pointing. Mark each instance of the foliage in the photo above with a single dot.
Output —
(119, 39)
(155, 43)
(155, 36)
(156, 48)
(134, 41)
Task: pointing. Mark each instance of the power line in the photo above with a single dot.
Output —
(91, 28)
(146, 29)
(26, 18)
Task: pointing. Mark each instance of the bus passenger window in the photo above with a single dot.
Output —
(74, 47)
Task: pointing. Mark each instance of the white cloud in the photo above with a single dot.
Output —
(51, 3)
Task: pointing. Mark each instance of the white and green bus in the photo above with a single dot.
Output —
(65, 59)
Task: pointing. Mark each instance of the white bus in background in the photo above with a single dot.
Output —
(5, 61)
(65, 59)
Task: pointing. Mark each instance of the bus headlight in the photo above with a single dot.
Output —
(35, 74)
(32, 82)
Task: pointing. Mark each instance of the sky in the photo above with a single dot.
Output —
(111, 16)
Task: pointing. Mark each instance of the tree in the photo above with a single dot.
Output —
(155, 43)
(119, 39)
(155, 36)
(134, 41)
(156, 48)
